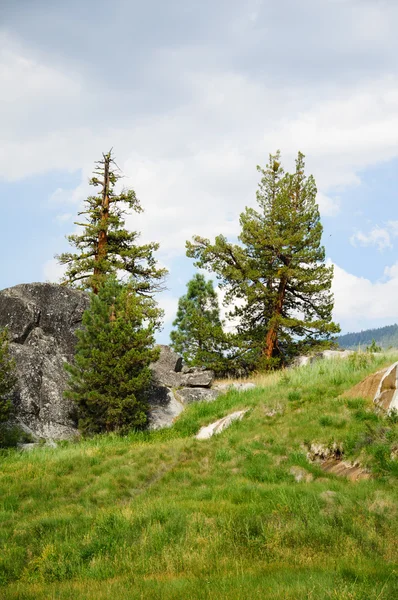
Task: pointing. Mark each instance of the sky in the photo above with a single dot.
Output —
(192, 96)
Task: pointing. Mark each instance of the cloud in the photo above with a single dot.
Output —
(381, 237)
(376, 237)
(329, 207)
(53, 271)
(361, 303)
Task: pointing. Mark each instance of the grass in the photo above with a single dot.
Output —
(162, 515)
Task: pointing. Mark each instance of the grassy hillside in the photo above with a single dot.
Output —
(166, 516)
(386, 337)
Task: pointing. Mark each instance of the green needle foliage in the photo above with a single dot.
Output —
(7, 377)
(277, 273)
(110, 377)
(105, 246)
(198, 334)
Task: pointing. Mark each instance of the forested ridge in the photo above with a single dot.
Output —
(385, 337)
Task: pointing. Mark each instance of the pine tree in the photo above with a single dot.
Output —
(7, 377)
(278, 270)
(199, 335)
(110, 377)
(105, 246)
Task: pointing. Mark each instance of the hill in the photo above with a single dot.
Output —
(243, 515)
(386, 337)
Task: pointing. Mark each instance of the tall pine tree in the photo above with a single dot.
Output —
(105, 246)
(110, 377)
(277, 272)
(198, 335)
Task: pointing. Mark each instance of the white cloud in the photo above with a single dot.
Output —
(361, 303)
(376, 237)
(329, 207)
(393, 226)
(169, 304)
(53, 271)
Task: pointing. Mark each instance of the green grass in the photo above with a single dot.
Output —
(162, 515)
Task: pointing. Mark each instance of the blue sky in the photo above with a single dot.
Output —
(192, 96)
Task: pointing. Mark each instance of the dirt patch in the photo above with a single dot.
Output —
(367, 388)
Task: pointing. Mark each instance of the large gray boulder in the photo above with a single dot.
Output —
(165, 407)
(174, 386)
(198, 378)
(42, 319)
(166, 371)
(199, 394)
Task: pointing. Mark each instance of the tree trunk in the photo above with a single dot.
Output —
(103, 232)
(272, 334)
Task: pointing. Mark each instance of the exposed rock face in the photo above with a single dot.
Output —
(189, 395)
(167, 369)
(199, 378)
(42, 319)
(386, 396)
(175, 386)
(165, 407)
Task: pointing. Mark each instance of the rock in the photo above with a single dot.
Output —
(165, 407)
(302, 361)
(386, 396)
(320, 452)
(186, 369)
(328, 354)
(330, 459)
(235, 385)
(167, 369)
(301, 474)
(42, 319)
(189, 395)
(207, 432)
(198, 378)
(367, 388)
(350, 470)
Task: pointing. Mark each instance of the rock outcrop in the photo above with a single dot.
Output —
(175, 386)
(386, 396)
(42, 319)
(381, 387)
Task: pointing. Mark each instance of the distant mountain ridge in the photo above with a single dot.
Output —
(385, 337)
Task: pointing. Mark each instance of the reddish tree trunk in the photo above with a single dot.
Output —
(271, 339)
